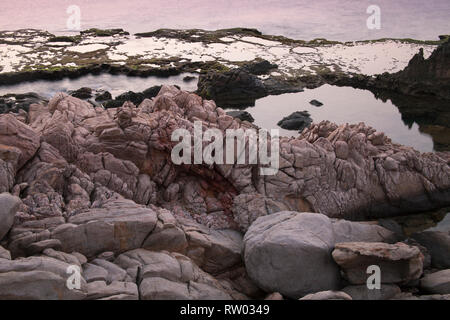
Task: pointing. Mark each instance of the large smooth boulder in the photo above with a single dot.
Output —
(437, 282)
(399, 263)
(9, 205)
(290, 252)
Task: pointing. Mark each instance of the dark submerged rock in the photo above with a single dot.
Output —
(241, 115)
(189, 78)
(104, 96)
(298, 120)
(82, 93)
(135, 97)
(316, 103)
(16, 102)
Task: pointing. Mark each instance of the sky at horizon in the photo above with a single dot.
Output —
(299, 19)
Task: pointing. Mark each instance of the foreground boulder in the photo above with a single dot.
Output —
(399, 263)
(290, 252)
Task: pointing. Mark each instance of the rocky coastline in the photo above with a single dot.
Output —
(87, 182)
(94, 187)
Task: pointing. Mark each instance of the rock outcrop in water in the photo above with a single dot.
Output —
(240, 87)
(98, 189)
(298, 120)
(422, 76)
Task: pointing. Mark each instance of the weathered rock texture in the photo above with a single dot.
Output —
(68, 157)
(98, 187)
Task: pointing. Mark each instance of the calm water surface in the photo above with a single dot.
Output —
(341, 105)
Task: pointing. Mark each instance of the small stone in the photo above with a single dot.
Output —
(107, 255)
(361, 292)
(327, 295)
(399, 263)
(316, 103)
(274, 296)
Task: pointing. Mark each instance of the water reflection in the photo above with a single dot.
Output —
(115, 84)
(345, 105)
